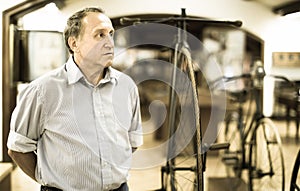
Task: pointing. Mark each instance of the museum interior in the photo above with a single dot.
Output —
(218, 84)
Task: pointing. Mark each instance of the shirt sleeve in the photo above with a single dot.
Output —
(136, 132)
(26, 121)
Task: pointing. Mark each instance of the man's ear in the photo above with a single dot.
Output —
(73, 44)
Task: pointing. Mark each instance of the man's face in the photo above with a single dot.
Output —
(95, 43)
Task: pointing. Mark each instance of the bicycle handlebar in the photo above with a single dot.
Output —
(225, 79)
(129, 20)
(292, 83)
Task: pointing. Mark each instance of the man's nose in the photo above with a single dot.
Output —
(109, 42)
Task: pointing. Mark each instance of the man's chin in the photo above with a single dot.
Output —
(105, 64)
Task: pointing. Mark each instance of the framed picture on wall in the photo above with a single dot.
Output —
(286, 59)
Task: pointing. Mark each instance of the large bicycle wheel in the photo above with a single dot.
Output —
(184, 168)
(295, 179)
(266, 164)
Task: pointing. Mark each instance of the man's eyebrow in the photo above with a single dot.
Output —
(98, 30)
(95, 31)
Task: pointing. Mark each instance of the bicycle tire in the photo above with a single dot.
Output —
(184, 172)
(295, 179)
(266, 163)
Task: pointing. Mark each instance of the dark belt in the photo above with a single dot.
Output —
(123, 187)
(48, 188)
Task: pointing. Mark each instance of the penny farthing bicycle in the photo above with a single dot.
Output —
(185, 162)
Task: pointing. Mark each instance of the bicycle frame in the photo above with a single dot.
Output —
(246, 130)
(257, 98)
(256, 131)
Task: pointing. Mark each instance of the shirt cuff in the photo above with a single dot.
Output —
(136, 139)
(20, 143)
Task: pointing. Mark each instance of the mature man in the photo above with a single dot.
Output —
(76, 127)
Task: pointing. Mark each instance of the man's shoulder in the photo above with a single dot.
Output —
(54, 76)
(121, 76)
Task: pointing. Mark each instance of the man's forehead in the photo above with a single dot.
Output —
(96, 18)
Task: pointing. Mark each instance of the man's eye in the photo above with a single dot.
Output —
(101, 35)
(111, 34)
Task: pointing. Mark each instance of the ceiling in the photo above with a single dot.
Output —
(281, 7)
(269, 3)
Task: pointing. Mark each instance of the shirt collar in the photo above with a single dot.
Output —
(74, 73)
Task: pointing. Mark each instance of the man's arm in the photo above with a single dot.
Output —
(26, 161)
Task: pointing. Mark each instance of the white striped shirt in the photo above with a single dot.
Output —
(82, 134)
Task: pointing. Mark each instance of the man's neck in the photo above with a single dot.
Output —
(92, 75)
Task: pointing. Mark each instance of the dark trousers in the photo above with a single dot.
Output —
(123, 187)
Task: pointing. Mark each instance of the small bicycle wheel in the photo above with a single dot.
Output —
(184, 167)
(266, 164)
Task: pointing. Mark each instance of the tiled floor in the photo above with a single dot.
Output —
(149, 178)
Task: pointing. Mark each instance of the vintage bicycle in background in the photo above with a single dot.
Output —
(255, 144)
